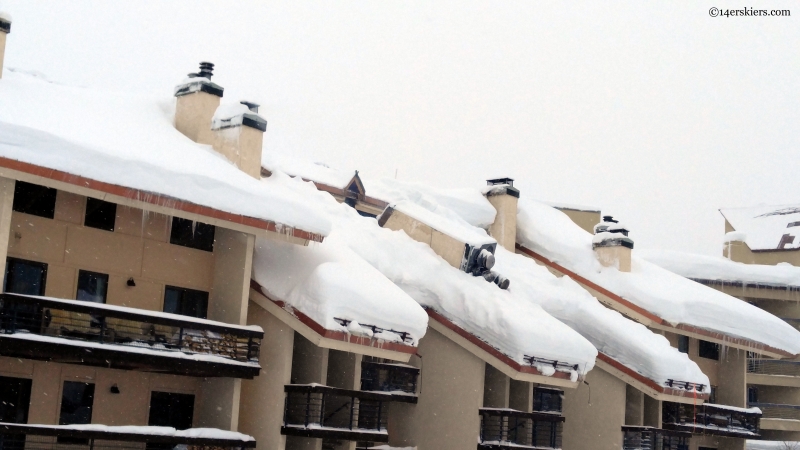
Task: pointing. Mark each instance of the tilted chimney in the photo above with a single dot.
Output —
(197, 100)
(502, 194)
(5, 28)
(611, 244)
(238, 134)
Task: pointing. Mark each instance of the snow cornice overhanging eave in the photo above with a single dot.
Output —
(647, 385)
(149, 201)
(649, 319)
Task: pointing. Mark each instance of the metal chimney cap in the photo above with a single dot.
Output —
(496, 181)
(206, 70)
(609, 219)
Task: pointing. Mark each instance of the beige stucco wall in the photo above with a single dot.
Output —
(451, 393)
(193, 113)
(740, 252)
(129, 407)
(233, 263)
(634, 406)
(496, 388)
(6, 203)
(614, 256)
(719, 443)
(242, 146)
(2, 51)
(595, 413)
(732, 384)
(262, 401)
(504, 228)
(521, 395)
(445, 246)
(584, 219)
(344, 369)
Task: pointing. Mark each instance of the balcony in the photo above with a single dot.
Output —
(508, 428)
(776, 416)
(710, 419)
(71, 331)
(317, 411)
(773, 372)
(399, 380)
(649, 438)
(100, 437)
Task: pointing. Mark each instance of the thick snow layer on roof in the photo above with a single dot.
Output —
(764, 226)
(207, 433)
(445, 221)
(330, 281)
(675, 299)
(316, 172)
(624, 340)
(129, 140)
(572, 206)
(718, 268)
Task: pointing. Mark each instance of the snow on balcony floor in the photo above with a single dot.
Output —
(128, 139)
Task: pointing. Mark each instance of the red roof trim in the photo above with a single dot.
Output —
(488, 348)
(152, 198)
(616, 298)
(335, 335)
(647, 381)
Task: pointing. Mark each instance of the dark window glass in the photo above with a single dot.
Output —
(15, 397)
(192, 234)
(712, 398)
(752, 394)
(545, 399)
(34, 199)
(171, 410)
(683, 344)
(92, 286)
(76, 403)
(187, 302)
(100, 214)
(25, 277)
(709, 350)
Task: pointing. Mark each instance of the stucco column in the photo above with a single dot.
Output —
(6, 203)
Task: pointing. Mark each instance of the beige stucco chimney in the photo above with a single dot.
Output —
(239, 134)
(197, 100)
(5, 28)
(502, 194)
(611, 244)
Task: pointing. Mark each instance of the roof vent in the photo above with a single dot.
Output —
(609, 219)
(253, 107)
(496, 181)
(206, 71)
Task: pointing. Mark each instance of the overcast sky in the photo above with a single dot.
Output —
(655, 112)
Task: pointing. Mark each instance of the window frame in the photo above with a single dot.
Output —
(91, 273)
(183, 291)
(703, 348)
(193, 241)
(101, 204)
(20, 187)
(43, 265)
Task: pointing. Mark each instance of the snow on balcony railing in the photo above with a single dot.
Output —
(508, 428)
(100, 437)
(712, 419)
(773, 367)
(649, 438)
(778, 411)
(41, 321)
(399, 380)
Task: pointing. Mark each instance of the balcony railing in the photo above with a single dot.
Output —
(51, 437)
(773, 367)
(508, 428)
(719, 420)
(327, 412)
(649, 438)
(778, 411)
(399, 380)
(125, 338)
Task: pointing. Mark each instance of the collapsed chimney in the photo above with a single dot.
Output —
(502, 194)
(611, 244)
(239, 135)
(197, 100)
(5, 28)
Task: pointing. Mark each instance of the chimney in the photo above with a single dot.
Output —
(238, 134)
(197, 100)
(502, 194)
(5, 28)
(611, 244)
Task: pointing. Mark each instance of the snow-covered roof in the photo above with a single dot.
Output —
(128, 140)
(203, 433)
(718, 268)
(772, 445)
(329, 281)
(316, 172)
(672, 298)
(437, 218)
(765, 226)
(572, 206)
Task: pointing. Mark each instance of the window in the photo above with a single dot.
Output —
(709, 350)
(34, 199)
(171, 410)
(15, 397)
(683, 344)
(547, 400)
(712, 398)
(92, 286)
(100, 214)
(77, 399)
(192, 234)
(187, 302)
(25, 277)
(752, 394)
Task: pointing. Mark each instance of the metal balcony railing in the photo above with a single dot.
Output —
(773, 367)
(507, 428)
(314, 410)
(126, 338)
(778, 411)
(719, 420)
(649, 438)
(400, 380)
(52, 437)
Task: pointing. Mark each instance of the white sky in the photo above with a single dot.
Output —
(656, 112)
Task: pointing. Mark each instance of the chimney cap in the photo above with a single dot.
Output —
(496, 181)
(609, 219)
(250, 105)
(5, 22)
